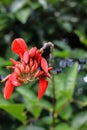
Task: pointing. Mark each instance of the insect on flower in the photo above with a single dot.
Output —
(32, 65)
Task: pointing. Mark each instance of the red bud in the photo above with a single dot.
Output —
(32, 52)
(44, 65)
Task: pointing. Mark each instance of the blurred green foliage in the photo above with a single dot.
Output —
(65, 24)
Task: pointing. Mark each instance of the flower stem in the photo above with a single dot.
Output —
(53, 83)
(51, 63)
(53, 100)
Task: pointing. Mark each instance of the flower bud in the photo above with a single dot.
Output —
(39, 59)
(22, 68)
(31, 63)
(33, 68)
(17, 71)
(32, 52)
(26, 57)
(27, 69)
(37, 54)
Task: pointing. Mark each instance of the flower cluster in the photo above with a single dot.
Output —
(31, 66)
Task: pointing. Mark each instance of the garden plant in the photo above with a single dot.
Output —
(43, 65)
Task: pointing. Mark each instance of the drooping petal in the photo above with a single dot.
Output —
(44, 65)
(26, 57)
(42, 87)
(19, 46)
(14, 62)
(32, 52)
(8, 89)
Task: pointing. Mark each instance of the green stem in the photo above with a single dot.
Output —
(50, 44)
(53, 83)
(53, 99)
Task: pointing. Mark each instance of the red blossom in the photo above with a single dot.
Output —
(31, 66)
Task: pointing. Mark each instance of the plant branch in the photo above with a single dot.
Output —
(51, 63)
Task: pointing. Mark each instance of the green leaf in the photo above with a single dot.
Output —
(79, 120)
(33, 107)
(45, 104)
(62, 44)
(78, 53)
(53, 1)
(63, 126)
(46, 120)
(26, 92)
(64, 83)
(3, 101)
(3, 22)
(43, 3)
(69, 80)
(62, 54)
(82, 36)
(67, 26)
(7, 2)
(66, 112)
(23, 15)
(4, 62)
(30, 100)
(60, 103)
(11, 54)
(84, 127)
(16, 5)
(30, 128)
(16, 110)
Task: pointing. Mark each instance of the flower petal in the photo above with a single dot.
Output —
(14, 62)
(8, 89)
(16, 83)
(13, 79)
(42, 87)
(44, 65)
(19, 46)
(26, 57)
(50, 68)
(39, 58)
(37, 53)
(32, 52)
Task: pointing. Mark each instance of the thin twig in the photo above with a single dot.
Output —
(53, 82)
(51, 63)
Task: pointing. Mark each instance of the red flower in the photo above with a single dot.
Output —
(31, 66)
